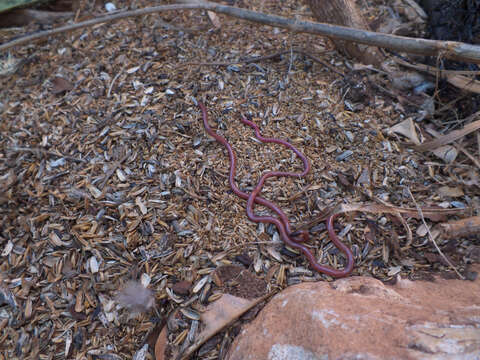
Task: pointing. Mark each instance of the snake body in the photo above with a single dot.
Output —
(294, 240)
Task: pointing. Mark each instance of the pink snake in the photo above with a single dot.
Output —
(293, 240)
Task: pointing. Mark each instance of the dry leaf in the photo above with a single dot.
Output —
(141, 205)
(407, 129)
(422, 230)
(214, 19)
(161, 344)
(141, 354)
(406, 80)
(55, 240)
(447, 153)
(218, 315)
(28, 308)
(274, 253)
(96, 193)
(79, 301)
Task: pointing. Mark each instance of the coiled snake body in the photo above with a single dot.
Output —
(293, 240)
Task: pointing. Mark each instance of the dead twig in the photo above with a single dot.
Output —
(420, 212)
(447, 49)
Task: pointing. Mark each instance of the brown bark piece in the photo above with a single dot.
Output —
(346, 13)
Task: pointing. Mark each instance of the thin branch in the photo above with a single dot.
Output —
(448, 49)
(420, 212)
(99, 20)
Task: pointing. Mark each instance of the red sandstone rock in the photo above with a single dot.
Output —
(361, 318)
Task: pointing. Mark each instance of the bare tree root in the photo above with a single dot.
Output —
(346, 13)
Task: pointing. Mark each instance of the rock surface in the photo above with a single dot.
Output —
(361, 318)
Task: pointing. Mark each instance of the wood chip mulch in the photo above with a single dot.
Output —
(108, 179)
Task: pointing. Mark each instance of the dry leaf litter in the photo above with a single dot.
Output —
(115, 208)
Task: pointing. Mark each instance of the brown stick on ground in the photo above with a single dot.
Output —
(346, 13)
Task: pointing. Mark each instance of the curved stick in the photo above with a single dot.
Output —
(282, 223)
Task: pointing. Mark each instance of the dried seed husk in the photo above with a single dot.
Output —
(189, 313)
(180, 337)
(214, 297)
(200, 284)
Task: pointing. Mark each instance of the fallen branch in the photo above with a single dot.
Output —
(347, 13)
(434, 214)
(448, 49)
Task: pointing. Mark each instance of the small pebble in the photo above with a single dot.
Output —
(110, 7)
